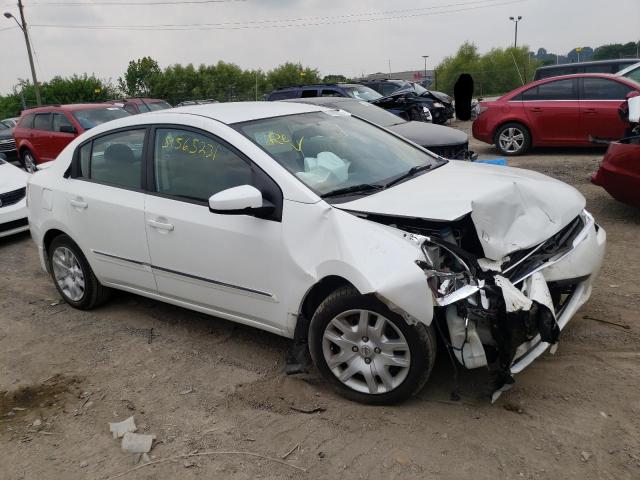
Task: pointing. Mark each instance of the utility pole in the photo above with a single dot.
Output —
(516, 20)
(23, 26)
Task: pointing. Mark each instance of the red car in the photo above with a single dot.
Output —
(619, 173)
(557, 111)
(42, 133)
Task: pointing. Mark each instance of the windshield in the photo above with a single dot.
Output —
(360, 92)
(92, 117)
(369, 112)
(332, 150)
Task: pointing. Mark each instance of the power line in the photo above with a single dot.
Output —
(255, 24)
(127, 3)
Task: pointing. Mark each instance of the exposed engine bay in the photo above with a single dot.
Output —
(491, 313)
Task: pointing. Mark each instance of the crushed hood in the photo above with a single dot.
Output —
(512, 209)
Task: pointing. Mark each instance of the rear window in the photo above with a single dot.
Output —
(26, 121)
(92, 117)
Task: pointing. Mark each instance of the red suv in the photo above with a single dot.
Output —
(42, 132)
(556, 111)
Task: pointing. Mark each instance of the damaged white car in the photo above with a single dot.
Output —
(318, 226)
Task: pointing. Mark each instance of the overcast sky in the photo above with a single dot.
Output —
(359, 36)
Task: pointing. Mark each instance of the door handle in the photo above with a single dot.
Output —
(536, 109)
(590, 110)
(160, 225)
(78, 203)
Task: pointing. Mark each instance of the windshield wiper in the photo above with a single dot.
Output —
(410, 173)
(363, 187)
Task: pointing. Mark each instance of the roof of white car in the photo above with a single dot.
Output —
(235, 112)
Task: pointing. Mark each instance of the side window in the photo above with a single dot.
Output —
(603, 89)
(282, 95)
(309, 93)
(42, 121)
(131, 109)
(194, 166)
(634, 75)
(60, 119)
(330, 93)
(558, 90)
(116, 158)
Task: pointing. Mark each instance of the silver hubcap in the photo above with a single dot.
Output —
(511, 140)
(29, 163)
(68, 274)
(366, 351)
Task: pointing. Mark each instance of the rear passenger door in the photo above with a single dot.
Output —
(104, 206)
(553, 112)
(600, 99)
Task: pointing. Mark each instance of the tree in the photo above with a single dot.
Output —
(615, 50)
(334, 79)
(139, 77)
(291, 74)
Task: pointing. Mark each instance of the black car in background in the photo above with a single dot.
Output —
(444, 141)
(401, 95)
(408, 110)
(7, 142)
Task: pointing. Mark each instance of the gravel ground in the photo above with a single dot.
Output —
(203, 385)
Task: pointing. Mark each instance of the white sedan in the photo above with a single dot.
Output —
(315, 225)
(13, 203)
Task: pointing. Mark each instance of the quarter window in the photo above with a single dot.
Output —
(42, 121)
(115, 159)
(603, 89)
(194, 166)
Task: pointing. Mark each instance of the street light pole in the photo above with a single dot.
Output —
(23, 26)
(516, 20)
(425, 67)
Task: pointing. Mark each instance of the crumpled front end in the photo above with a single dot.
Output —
(504, 314)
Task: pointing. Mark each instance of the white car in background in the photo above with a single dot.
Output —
(13, 203)
(318, 226)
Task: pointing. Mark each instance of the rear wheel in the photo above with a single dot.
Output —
(369, 353)
(512, 139)
(73, 276)
(28, 161)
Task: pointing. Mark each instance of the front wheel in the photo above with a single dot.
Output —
(369, 353)
(512, 139)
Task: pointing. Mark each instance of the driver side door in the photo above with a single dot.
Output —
(226, 265)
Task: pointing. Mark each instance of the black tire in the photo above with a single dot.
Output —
(94, 293)
(421, 341)
(28, 160)
(518, 129)
(417, 115)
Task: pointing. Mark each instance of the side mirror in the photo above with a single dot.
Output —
(67, 129)
(242, 200)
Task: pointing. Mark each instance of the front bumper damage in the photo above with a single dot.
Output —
(502, 315)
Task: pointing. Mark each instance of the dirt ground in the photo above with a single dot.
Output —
(203, 385)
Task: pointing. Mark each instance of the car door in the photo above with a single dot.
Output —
(600, 99)
(41, 138)
(229, 265)
(60, 139)
(105, 208)
(553, 112)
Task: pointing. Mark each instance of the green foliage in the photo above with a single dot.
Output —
(615, 50)
(138, 78)
(335, 79)
(74, 89)
(291, 74)
(497, 71)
